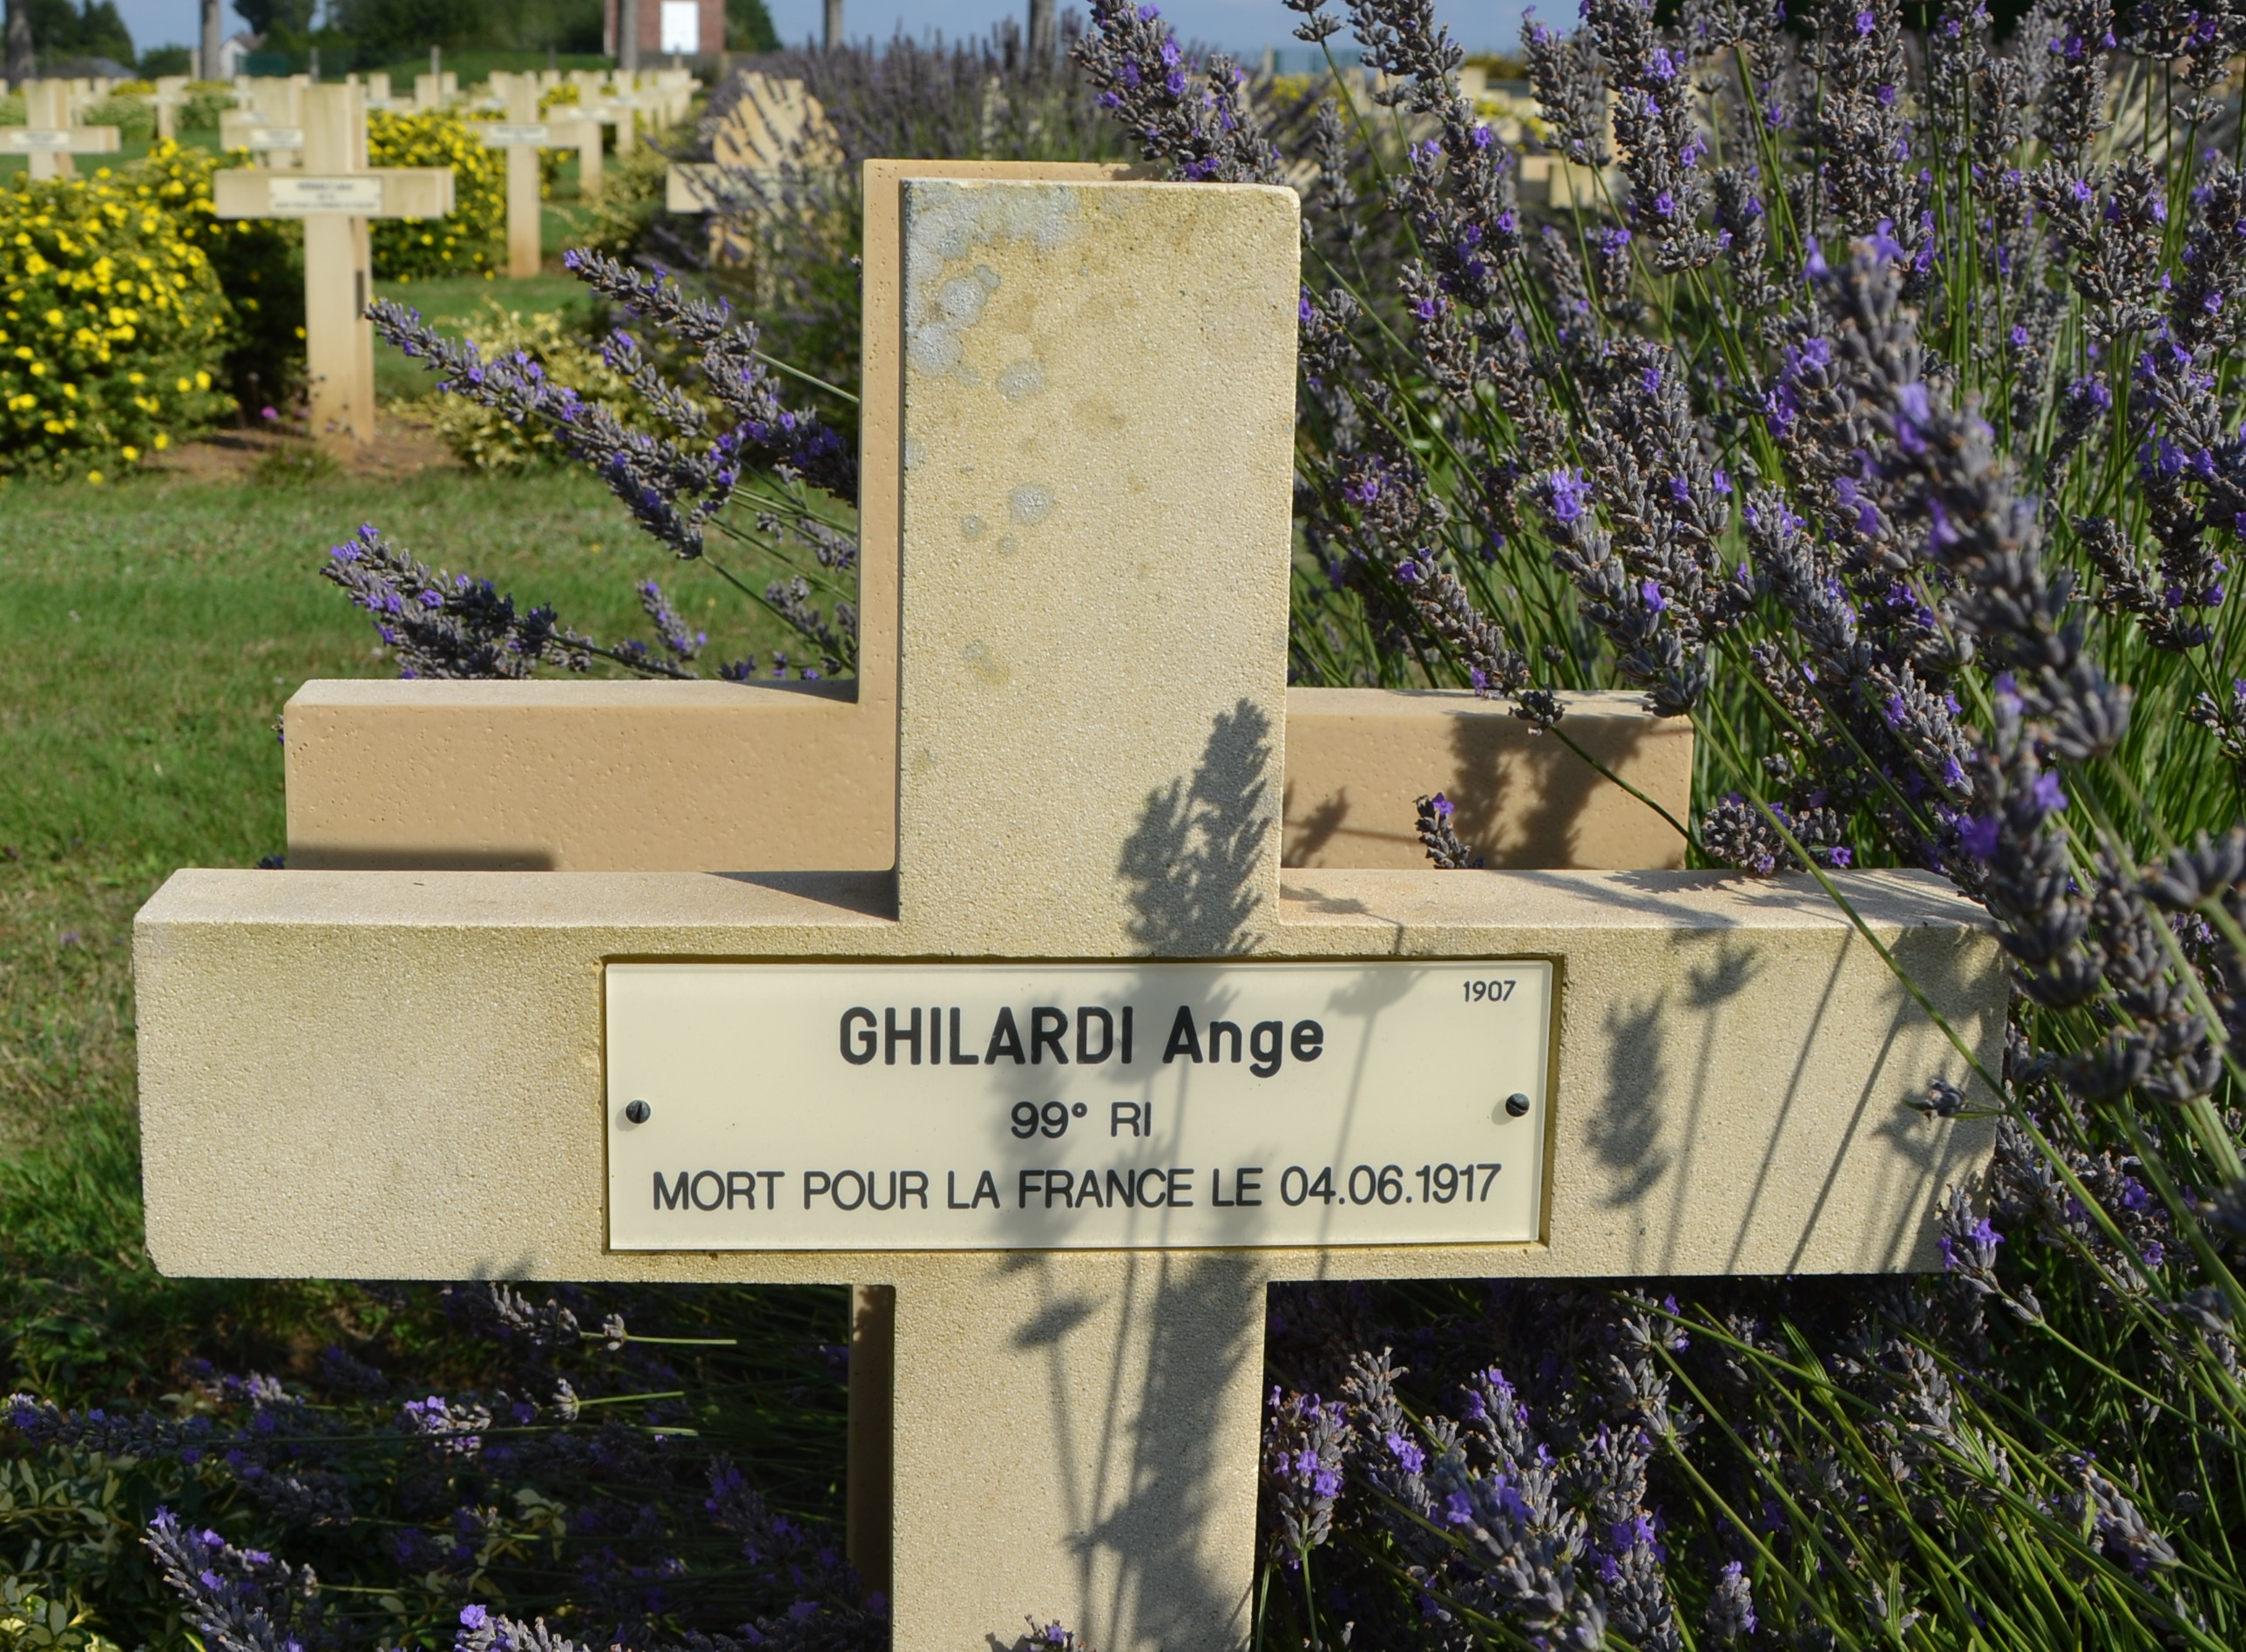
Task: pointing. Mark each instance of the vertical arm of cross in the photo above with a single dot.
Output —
(171, 91)
(1096, 417)
(46, 108)
(524, 242)
(1098, 414)
(588, 132)
(338, 271)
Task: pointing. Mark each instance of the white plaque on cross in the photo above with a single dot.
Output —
(349, 195)
(1157, 1105)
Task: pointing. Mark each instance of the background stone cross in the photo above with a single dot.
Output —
(49, 136)
(1079, 413)
(336, 194)
(522, 134)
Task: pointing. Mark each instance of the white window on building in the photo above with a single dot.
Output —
(682, 27)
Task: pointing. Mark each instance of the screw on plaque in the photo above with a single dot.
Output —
(1516, 1104)
(638, 1112)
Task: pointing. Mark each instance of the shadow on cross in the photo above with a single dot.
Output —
(1190, 864)
(1153, 1481)
(1178, 1332)
(1534, 822)
(1519, 801)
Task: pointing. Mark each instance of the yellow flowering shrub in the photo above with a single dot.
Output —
(111, 326)
(471, 240)
(259, 261)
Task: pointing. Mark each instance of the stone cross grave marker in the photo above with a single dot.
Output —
(775, 125)
(336, 194)
(271, 145)
(170, 92)
(1080, 1070)
(572, 125)
(522, 134)
(599, 100)
(268, 119)
(50, 135)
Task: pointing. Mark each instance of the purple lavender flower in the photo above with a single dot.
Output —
(1303, 1465)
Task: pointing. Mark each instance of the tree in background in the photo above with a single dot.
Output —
(389, 30)
(749, 27)
(20, 59)
(280, 25)
(61, 32)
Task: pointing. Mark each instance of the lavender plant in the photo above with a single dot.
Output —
(726, 454)
(732, 457)
(1874, 409)
(668, 1478)
(788, 231)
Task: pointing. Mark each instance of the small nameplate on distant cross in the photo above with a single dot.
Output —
(501, 135)
(26, 138)
(358, 196)
(275, 138)
(813, 1106)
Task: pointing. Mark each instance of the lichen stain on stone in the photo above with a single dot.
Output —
(1021, 381)
(1029, 504)
(984, 664)
(944, 223)
(1098, 417)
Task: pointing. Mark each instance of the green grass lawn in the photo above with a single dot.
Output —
(149, 633)
(152, 631)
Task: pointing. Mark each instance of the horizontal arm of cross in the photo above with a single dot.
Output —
(377, 192)
(60, 140)
(541, 134)
(533, 134)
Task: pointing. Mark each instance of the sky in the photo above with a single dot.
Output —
(1245, 26)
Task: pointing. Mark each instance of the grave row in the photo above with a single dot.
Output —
(1027, 985)
(310, 141)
